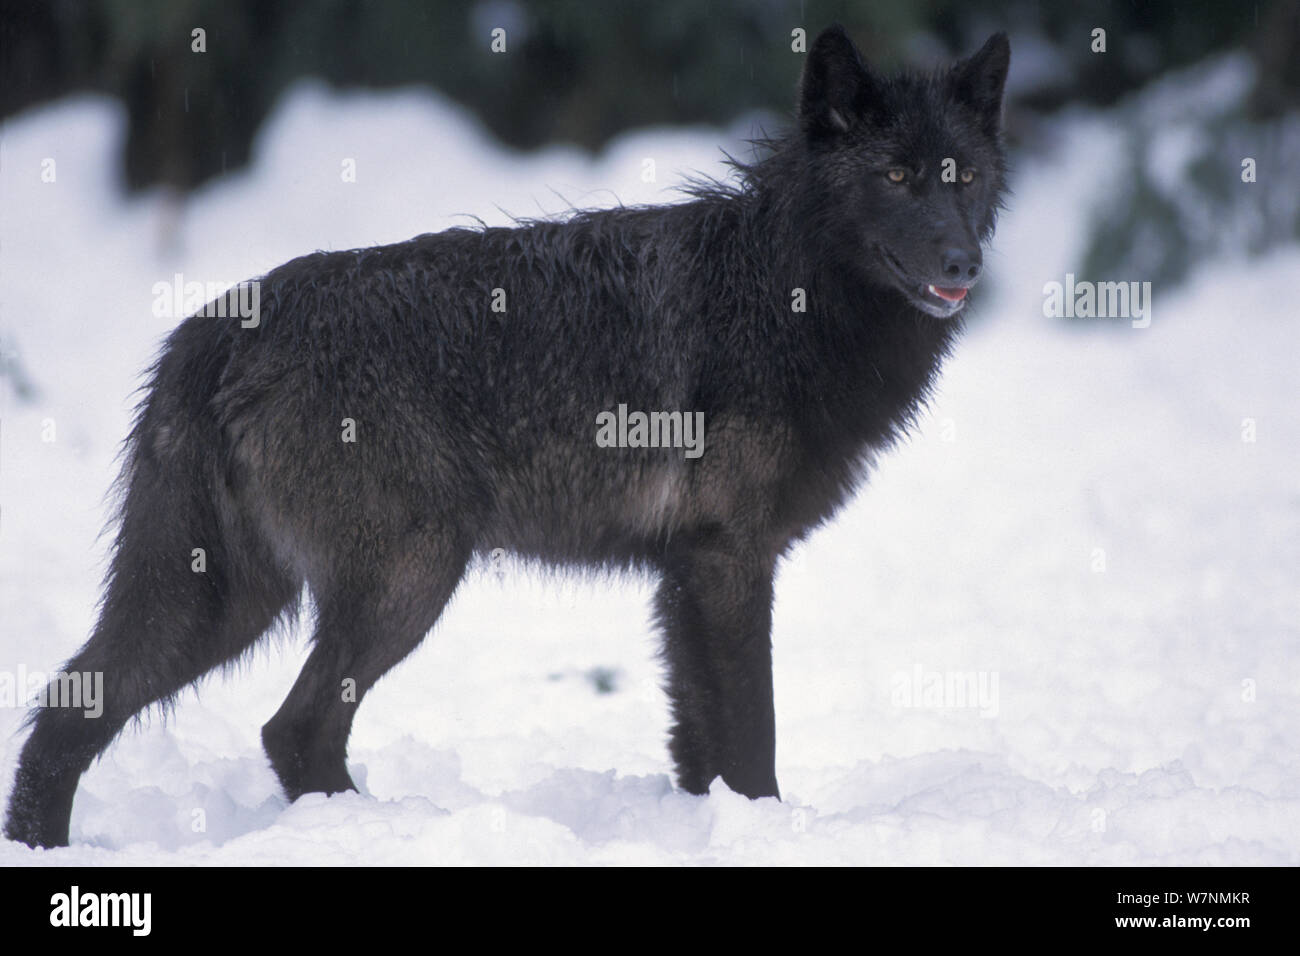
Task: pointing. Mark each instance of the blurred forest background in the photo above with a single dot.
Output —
(1193, 87)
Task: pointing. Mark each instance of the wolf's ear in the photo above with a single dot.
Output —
(836, 86)
(978, 82)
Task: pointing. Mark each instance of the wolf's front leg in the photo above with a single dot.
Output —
(715, 608)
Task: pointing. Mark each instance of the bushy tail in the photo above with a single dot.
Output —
(191, 586)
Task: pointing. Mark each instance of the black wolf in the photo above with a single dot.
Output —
(397, 411)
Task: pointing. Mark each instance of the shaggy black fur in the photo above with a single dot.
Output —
(475, 429)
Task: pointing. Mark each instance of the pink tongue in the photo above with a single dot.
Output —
(952, 295)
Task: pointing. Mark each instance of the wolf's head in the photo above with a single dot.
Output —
(905, 173)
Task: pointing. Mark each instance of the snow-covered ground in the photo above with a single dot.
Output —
(1100, 524)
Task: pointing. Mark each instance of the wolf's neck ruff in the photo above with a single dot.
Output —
(859, 354)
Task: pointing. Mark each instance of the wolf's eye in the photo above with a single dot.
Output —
(897, 175)
(968, 176)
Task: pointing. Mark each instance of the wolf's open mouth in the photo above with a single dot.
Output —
(939, 301)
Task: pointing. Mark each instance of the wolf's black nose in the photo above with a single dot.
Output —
(962, 265)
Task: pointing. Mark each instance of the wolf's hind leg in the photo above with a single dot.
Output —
(370, 616)
(164, 624)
